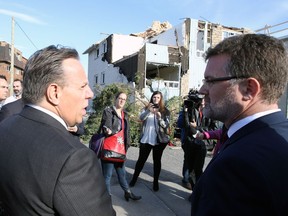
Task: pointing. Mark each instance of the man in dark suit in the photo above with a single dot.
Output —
(244, 79)
(44, 170)
(10, 109)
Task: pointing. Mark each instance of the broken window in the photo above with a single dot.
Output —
(200, 40)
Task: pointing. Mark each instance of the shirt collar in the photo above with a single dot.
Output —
(241, 123)
(48, 112)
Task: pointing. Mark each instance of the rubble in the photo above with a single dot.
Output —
(156, 29)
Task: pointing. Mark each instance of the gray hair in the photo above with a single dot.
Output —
(43, 68)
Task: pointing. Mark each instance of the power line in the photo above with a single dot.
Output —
(27, 36)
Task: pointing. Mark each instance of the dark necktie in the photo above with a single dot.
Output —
(223, 139)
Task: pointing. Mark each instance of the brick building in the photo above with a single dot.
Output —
(5, 61)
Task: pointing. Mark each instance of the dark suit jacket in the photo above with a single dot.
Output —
(250, 175)
(10, 109)
(44, 170)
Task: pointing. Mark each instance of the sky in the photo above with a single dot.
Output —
(80, 24)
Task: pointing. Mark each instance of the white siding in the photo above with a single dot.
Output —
(124, 45)
(157, 53)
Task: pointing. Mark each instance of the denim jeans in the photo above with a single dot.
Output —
(107, 170)
(185, 173)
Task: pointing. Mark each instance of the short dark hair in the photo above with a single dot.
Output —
(256, 55)
(43, 68)
(3, 77)
(18, 80)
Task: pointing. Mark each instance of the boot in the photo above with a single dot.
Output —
(129, 195)
(155, 185)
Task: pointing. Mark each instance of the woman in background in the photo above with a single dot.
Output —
(155, 117)
(111, 124)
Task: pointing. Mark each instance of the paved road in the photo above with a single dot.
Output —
(171, 199)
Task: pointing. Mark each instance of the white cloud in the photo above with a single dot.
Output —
(21, 16)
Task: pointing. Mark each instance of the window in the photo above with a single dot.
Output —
(103, 78)
(104, 48)
(96, 79)
(8, 67)
(96, 53)
(200, 40)
(18, 56)
(226, 34)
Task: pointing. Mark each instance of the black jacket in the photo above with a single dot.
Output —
(111, 120)
(10, 109)
(203, 124)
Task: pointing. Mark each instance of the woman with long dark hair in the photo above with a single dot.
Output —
(155, 117)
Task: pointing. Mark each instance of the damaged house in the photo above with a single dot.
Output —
(165, 58)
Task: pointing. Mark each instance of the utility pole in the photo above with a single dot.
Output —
(12, 58)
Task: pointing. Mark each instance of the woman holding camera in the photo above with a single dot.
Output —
(155, 118)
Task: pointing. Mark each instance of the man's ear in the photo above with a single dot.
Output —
(54, 92)
(251, 88)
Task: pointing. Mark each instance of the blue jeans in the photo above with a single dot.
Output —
(185, 173)
(107, 169)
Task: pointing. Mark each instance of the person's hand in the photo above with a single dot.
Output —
(108, 131)
(150, 107)
(200, 136)
(158, 114)
(193, 124)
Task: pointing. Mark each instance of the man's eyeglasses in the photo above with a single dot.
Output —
(219, 79)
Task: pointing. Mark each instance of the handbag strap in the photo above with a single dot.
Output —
(156, 125)
(122, 120)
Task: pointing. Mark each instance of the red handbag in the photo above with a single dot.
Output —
(113, 149)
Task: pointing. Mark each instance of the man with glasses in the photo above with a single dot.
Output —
(244, 78)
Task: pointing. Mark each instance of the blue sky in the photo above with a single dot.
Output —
(79, 24)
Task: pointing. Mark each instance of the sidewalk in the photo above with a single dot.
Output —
(171, 199)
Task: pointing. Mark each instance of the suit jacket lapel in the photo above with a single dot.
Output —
(39, 116)
(261, 122)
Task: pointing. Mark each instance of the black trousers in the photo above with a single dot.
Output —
(194, 159)
(144, 151)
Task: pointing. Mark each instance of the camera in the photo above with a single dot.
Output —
(156, 106)
(193, 99)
